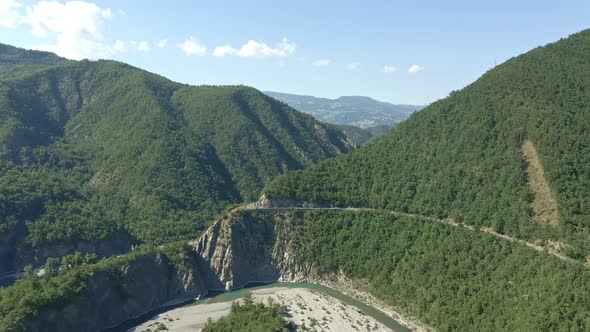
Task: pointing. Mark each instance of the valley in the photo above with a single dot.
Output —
(131, 201)
(100, 156)
(255, 243)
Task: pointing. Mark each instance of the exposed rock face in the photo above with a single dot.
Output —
(241, 250)
(245, 247)
(145, 283)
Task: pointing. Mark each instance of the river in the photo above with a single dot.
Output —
(219, 305)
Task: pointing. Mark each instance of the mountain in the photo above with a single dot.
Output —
(449, 277)
(14, 61)
(508, 155)
(510, 152)
(357, 111)
(469, 216)
(98, 155)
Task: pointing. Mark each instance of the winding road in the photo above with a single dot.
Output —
(447, 221)
(9, 278)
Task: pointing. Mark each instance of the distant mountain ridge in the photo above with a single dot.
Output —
(357, 111)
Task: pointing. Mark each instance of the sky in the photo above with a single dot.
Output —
(404, 52)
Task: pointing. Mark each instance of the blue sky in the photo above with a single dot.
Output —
(321, 48)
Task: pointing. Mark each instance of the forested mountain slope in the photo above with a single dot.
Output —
(15, 61)
(451, 278)
(510, 151)
(463, 156)
(92, 149)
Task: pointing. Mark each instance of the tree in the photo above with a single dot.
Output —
(29, 272)
(52, 266)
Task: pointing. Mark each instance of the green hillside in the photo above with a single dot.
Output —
(15, 61)
(91, 149)
(449, 277)
(463, 156)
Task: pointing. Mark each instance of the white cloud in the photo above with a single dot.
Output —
(143, 46)
(415, 69)
(131, 45)
(253, 48)
(389, 69)
(257, 49)
(75, 25)
(193, 47)
(72, 29)
(353, 66)
(224, 50)
(10, 14)
(321, 62)
(162, 43)
(120, 46)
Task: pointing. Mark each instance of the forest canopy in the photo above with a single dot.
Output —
(462, 156)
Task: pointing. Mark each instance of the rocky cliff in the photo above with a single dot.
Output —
(114, 296)
(244, 247)
(250, 247)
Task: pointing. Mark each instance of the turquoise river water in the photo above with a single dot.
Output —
(236, 294)
(364, 308)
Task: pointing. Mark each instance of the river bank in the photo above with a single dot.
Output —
(309, 305)
(358, 291)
